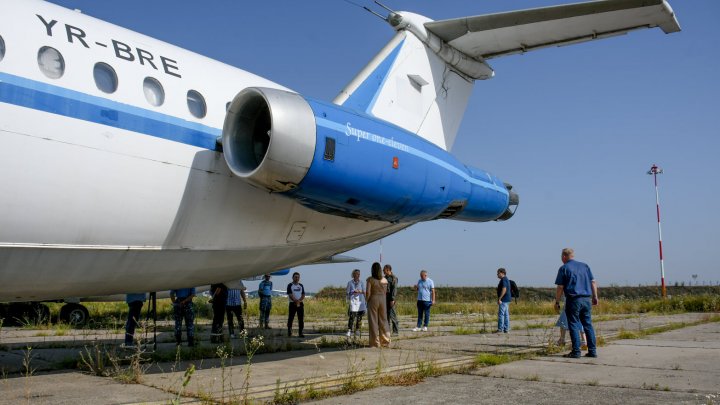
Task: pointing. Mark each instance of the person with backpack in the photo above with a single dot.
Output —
(504, 294)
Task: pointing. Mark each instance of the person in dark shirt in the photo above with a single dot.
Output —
(219, 302)
(575, 280)
(392, 282)
(504, 298)
(296, 295)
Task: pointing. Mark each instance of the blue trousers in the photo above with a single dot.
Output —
(579, 315)
(265, 307)
(423, 308)
(184, 313)
(504, 317)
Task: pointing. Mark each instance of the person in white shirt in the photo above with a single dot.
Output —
(355, 293)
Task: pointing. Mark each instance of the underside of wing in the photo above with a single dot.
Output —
(492, 35)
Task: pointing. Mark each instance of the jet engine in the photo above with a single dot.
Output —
(342, 162)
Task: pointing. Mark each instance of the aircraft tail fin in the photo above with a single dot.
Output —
(412, 87)
(423, 78)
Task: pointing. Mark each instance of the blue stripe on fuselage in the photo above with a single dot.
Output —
(363, 98)
(391, 143)
(69, 103)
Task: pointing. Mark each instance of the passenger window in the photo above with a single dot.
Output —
(51, 62)
(196, 104)
(2, 48)
(105, 78)
(154, 92)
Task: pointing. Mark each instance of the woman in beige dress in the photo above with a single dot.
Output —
(376, 308)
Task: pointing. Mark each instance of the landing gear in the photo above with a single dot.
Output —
(74, 314)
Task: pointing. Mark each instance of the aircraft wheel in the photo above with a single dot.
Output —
(74, 314)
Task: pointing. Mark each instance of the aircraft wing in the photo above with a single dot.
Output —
(493, 35)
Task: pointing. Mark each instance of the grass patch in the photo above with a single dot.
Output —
(491, 359)
(466, 331)
(626, 334)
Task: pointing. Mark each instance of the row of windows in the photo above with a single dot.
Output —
(52, 64)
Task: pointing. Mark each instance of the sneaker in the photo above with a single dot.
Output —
(267, 327)
(572, 355)
(416, 329)
(349, 333)
(301, 334)
(497, 331)
(289, 332)
(424, 328)
(593, 355)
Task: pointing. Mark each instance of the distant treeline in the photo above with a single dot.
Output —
(467, 294)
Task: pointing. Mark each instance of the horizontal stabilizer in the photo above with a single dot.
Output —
(493, 35)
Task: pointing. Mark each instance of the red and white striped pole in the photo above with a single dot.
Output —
(654, 170)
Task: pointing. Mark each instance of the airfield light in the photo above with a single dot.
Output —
(654, 171)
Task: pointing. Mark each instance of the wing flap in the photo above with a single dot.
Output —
(493, 35)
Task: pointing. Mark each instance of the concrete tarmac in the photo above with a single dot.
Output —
(679, 366)
(676, 367)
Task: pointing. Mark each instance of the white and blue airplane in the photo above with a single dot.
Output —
(129, 164)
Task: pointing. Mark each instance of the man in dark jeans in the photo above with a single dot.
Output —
(576, 281)
(296, 294)
(219, 301)
(135, 304)
(504, 295)
(183, 309)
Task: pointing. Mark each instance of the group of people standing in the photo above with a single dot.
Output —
(377, 296)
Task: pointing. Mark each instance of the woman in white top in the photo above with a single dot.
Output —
(355, 293)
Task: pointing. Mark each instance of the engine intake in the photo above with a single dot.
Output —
(269, 138)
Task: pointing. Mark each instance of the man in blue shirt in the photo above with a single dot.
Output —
(426, 299)
(504, 299)
(183, 309)
(576, 281)
(135, 303)
(265, 293)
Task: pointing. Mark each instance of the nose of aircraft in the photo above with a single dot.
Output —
(513, 202)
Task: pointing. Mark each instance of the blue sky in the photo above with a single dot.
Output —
(574, 129)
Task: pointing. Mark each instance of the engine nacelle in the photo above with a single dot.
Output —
(269, 138)
(341, 162)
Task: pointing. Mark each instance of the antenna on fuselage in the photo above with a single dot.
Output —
(387, 19)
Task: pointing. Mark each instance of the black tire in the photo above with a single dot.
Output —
(74, 314)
